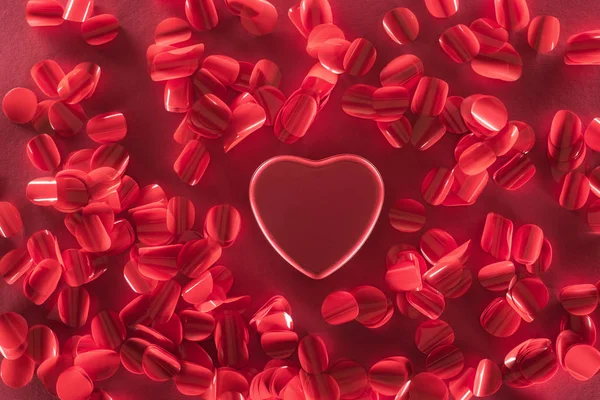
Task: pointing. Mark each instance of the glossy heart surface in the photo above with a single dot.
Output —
(317, 214)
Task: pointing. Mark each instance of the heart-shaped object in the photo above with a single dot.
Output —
(316, 214)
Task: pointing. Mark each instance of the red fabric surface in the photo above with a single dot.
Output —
(547, 85)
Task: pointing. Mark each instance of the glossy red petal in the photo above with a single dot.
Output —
(543, 33)
(339, 307)
(312, 354)
(488, 378)
(100, 29)
(351, 378)
(19, 105)
(49, 371)
(579, 299)
(512, 14)
(582, 361)
(11, 223)
(505, 64)
(527, 244)
(445, 361)
(17, 373)
(499, 319)
(74, 306)
(159, 365)
(193, 379)
(107, 329)
(401, 25)
(460, 43)
(433, 333)
(424, 385)
(74, 384)
(98, 364)
(430, 97)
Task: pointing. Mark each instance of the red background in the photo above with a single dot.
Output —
(547, 85)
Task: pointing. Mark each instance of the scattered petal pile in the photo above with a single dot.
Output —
(183, 310)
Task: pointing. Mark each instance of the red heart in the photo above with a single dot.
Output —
(316, 214)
